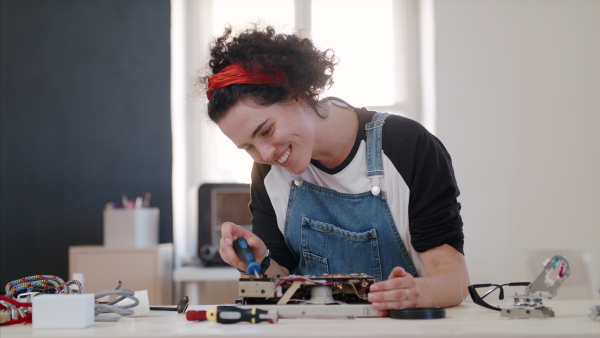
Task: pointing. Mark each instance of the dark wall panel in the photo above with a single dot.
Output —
(85, 116)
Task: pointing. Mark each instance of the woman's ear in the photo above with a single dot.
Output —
(298, 98)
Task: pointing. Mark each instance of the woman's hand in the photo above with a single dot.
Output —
(231, 232)
(400, 291)
(444, 285)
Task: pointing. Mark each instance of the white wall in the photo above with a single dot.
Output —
(517, 103)
(517, 88)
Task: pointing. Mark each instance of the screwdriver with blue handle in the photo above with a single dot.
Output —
(246, 255)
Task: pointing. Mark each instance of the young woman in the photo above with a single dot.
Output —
(335, 189)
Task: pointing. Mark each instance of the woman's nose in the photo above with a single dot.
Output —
(266, 151)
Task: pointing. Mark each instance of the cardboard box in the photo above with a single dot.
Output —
(131, 228)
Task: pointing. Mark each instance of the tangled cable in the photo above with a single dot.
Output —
(14, 310)
(41, 283)
(109, 307)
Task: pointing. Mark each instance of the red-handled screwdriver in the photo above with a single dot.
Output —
(246, 255)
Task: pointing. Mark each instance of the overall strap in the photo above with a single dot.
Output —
(374, 160)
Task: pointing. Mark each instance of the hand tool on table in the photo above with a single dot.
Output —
(227, 314)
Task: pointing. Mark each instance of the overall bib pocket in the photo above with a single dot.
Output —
(330, 249)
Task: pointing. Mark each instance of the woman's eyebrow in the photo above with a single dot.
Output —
(259, 127)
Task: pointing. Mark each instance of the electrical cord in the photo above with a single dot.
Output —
(15, 307)
(41, 284)
(12, 311)
(112, 307)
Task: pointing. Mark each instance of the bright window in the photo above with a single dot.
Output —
(375, 40)
(363, 40)
(278, 13)
(230, 163)
(366, 37)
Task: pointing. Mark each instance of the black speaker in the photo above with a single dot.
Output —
(218, 203)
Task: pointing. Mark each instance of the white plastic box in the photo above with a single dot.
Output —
(63, 311)
(131, 228)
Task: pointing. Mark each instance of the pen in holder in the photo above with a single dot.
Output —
(131, 228)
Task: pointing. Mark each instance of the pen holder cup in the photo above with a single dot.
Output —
(131, 228)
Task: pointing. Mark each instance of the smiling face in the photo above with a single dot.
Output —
(280, 134)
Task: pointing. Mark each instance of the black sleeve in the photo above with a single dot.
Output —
(426, 166)
(264, 220)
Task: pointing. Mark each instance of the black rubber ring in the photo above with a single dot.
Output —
(419, 313)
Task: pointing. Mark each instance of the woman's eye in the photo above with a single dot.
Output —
(267, 131)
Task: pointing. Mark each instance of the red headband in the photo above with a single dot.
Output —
(236, 74)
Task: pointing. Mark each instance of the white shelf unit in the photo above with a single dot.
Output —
(148, 268)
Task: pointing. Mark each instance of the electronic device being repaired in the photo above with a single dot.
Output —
(529, 304)
(340, 294)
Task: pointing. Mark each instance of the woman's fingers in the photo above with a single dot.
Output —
(398, 292)
(231, 232)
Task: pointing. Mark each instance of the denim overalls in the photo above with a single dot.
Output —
(331, 232)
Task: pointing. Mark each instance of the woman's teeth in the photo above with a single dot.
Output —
(284, 157)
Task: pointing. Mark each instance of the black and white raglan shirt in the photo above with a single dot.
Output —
(418, 180)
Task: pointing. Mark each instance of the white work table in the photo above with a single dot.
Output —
(466, 320)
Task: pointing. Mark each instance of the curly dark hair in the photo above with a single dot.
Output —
(307, 70)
